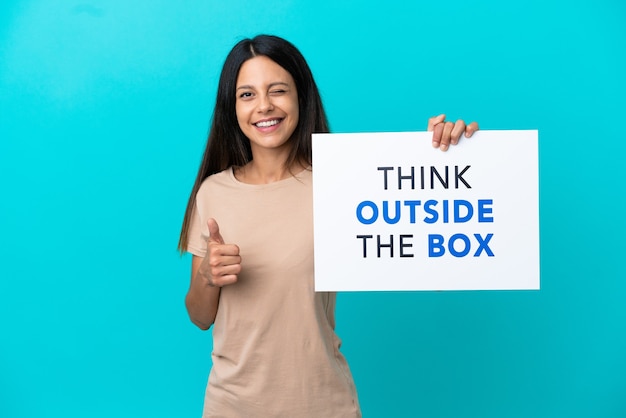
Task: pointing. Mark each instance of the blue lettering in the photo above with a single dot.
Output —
(412, 204)
(428, 209)
(466, 248)
(457, 211)
(483, 245)
(359, 212)
(435, 245)
(482, 210)
(386, 212)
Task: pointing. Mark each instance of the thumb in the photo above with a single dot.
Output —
(214, 232)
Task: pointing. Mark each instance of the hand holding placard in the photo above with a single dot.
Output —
(448, 133)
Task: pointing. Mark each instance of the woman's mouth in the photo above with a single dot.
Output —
(267, 123)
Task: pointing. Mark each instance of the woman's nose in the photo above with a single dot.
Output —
(265, 103)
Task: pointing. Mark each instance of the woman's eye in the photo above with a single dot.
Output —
(245, 95)
(277, 92)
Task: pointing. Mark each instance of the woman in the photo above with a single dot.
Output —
(249, 226)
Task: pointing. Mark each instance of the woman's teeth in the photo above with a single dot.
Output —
(267, 123)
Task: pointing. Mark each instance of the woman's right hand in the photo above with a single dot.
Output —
(219, 267)
(222, 263)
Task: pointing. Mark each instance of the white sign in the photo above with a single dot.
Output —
(392, 213)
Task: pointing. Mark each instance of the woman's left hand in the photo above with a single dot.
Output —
(446, 133)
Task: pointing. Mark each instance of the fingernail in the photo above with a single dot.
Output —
(444, 147)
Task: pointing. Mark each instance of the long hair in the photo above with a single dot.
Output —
(227, 145)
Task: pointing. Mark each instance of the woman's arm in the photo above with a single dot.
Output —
(218, 268)
(202, 299)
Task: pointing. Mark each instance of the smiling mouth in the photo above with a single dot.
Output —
(267, 123)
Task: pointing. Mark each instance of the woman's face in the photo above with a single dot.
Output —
(266, 104)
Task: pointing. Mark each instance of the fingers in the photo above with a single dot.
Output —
(441, 135)
(448, 133)
(470, 129)
(222, 263)
(435, 120)
(457, 131)
(437, 134)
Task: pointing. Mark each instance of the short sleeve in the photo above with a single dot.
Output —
(198, 233)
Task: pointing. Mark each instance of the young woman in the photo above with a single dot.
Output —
(249, 226)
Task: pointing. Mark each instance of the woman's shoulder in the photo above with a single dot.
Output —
(217, 180)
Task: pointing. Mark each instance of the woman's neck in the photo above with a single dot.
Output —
(265, 172)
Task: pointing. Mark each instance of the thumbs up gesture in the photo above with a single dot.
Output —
(222, 263)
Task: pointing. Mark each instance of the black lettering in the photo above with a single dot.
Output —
(380, 245)
(404, 245)
(364, 238)
(385, 169)
(459, 176)
(433, 173)
(410, 177)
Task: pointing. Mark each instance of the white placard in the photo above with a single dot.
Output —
(392, 213)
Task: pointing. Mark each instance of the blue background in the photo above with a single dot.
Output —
(104, 110)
